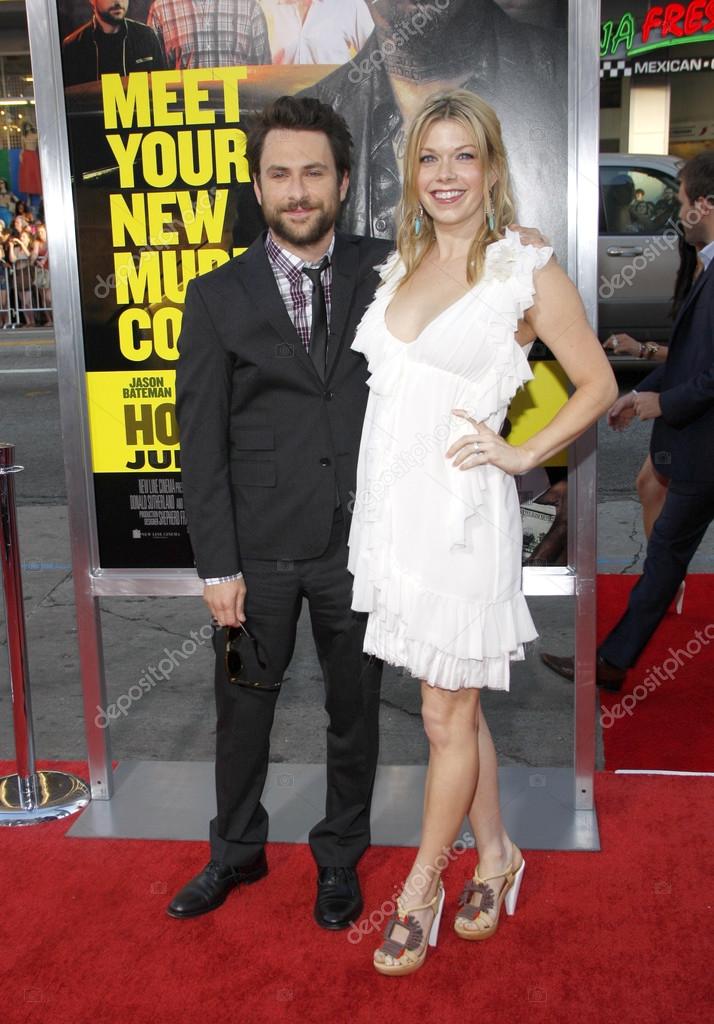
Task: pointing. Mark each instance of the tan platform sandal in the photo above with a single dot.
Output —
(485, 899)
(404, 936)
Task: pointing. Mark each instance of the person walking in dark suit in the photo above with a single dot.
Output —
(270, 404)
(679, 397)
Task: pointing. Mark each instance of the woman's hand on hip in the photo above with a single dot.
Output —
(485, 447)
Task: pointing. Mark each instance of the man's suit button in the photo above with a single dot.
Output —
(325, 462)
(329, 395)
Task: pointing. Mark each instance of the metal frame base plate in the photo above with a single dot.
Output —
(176, 799)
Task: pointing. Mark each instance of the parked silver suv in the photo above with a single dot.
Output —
(638, 248)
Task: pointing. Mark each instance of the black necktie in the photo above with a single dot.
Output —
(318, 334)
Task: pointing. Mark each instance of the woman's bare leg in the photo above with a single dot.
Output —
(652, 489)
(451, 725)
(27, 311)
(495, 848)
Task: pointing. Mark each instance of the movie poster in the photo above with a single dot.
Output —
(157, 96)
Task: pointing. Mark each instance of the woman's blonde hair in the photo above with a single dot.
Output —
(480, 121)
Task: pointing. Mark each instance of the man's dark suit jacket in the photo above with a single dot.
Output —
(682, 445)
(264, 441)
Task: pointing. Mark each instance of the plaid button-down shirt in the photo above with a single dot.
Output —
(210, 33)
(296, 287)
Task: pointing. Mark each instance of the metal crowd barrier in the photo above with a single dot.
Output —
(28, 796)
(24, 300)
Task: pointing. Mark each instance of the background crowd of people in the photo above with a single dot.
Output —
(25, 295)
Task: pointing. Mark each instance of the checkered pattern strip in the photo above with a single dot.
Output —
(296, 287)
(615, 68)
(211, 33)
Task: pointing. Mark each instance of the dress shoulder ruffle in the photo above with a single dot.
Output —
(369, 329)
(512, 264)
(508, 276)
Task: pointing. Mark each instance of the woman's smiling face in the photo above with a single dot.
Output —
(450, 177)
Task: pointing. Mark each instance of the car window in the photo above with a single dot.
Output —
(637, 200)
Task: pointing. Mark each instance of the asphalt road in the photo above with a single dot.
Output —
(30, 418)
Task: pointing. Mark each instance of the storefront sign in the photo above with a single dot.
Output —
(664, 25)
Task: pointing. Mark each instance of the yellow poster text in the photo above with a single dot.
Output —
(161, 275)
(193, 158)
(170, 98)
(132, 422)
(153, 218)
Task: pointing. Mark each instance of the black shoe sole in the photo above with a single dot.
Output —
(246, 879)
(563, 673)
(613, 687)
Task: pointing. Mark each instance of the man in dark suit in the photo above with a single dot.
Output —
(270, 404)
(679, 396)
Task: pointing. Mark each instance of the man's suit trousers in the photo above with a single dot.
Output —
(275, 592)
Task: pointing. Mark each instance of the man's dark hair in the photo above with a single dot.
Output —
(697, 176)
(304, 114)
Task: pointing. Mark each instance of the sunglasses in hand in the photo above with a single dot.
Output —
(236, 639)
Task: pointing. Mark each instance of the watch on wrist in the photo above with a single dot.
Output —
(652, 349)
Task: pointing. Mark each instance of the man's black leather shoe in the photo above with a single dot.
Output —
(210, 888)
(608, 676)
(565, 667)
(339, 900)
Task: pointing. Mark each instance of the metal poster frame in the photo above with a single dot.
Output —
(91, 582)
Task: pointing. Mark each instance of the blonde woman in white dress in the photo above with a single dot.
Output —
(435, 541)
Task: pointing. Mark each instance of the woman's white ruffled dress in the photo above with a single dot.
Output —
(436, 551)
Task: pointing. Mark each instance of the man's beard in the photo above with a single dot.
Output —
(302, 234)
(113, 19)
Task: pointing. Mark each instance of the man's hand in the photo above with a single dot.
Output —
(623, 344)
(530, 236)
(647, 405)
(226, 601)
(622, 413)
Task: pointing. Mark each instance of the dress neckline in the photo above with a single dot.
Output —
(446, 309)
(435, 319)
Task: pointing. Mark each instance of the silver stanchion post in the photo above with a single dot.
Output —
(29, 796)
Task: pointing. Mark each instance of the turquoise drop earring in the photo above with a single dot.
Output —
(489, 215)
(418, 221)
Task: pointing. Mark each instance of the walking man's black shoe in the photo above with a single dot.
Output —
(565, 667)
(339, 900)
(210, 888)
(608, 676)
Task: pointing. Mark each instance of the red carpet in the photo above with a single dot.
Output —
(621, 936)
(662, 718)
